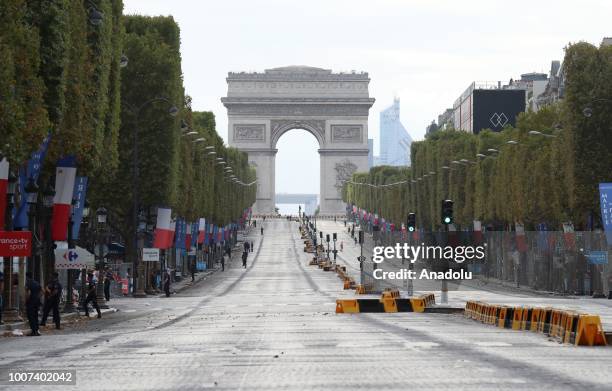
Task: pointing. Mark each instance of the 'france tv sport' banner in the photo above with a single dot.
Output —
(605, 201)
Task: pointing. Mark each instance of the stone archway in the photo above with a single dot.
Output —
(333, 107)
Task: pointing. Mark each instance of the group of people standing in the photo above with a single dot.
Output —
(52, 294)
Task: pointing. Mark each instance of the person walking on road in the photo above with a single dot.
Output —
(222, 262)
(341, 246)
(228, 251)
(262, 230)
(247, 247)
(108, 277)
(53, 293)
(33, 290)
(252, 246)
(166, 283)
(244, 259)
(91, 296)
(254, 223)
(193, 270)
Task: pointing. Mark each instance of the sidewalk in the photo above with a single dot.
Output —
(22, 327)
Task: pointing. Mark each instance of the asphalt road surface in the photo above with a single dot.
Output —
(273, 327)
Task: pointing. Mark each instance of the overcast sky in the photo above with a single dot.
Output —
(425, 52)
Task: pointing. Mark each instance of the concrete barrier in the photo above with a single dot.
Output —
(566, 326)
(389, 302)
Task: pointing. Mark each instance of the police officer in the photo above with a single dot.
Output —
(166, 283)
(53, 293)
(91, 296)
(33, 291)
(108, 277)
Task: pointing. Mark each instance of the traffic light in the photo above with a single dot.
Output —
(411, 222)
(447, 212)
(335, 236)
(360, 237)
(327, 238)
(321, 234)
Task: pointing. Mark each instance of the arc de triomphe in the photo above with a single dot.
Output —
(333, 107)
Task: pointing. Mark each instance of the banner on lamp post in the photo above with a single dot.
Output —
(64, 187)
(15, 244)
(30, 170)
(163, 229)
(79, 194)
(605, 202)
(74, 258)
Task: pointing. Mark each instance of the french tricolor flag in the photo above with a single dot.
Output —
(4, 170)
(164, 234)
(65, 174)
(201, 230)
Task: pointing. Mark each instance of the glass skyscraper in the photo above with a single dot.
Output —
(394, 139)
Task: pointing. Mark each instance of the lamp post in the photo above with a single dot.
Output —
(31, 190)
(9, 312)
(82, 293)
(69, 305)
(101, 217)
(48, 195)
(137, 264)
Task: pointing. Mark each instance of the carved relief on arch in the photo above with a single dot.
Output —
(314, 126)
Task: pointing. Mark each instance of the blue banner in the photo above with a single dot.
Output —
(605, 202)
(195, 228)
(32, 170)
(542, 237)
(597, 257)
(181, 233)
(78, 195)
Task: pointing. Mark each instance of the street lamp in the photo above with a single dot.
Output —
(588, 111)
(101, 215)
(123, 61)
(95, 16)
(173, 111)
(537, 133)
(31, 190)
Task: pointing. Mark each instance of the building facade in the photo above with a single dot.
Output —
(488, 106)
(394, 139)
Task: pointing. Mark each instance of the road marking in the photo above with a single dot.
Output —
(493, 344)
(421, 344)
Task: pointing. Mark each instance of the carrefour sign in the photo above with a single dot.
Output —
(74, 258)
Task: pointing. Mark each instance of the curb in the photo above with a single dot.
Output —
(23, 326)
(191, 284)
